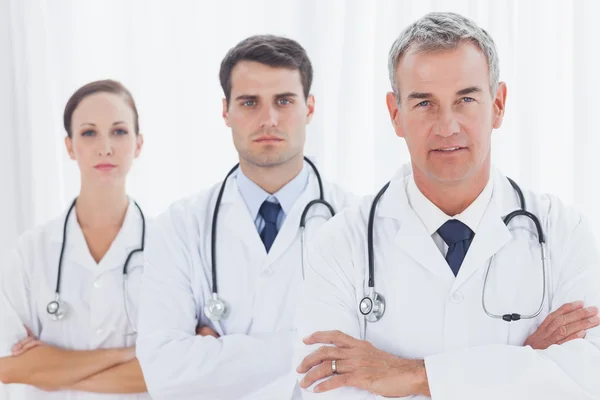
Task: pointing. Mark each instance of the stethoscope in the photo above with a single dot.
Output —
(216, 309)
(372, 306)
(57, 309)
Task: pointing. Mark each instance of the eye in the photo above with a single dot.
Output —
(284, 101)
(249, 103)
(120, 131)
(88, 133)
(467, 99)
(424, 103)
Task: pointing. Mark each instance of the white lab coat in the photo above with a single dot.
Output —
(93, 292)
(252, 358)
(435, 316)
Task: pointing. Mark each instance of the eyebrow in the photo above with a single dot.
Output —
(255, 97)
(92, 124)
(469, 90)
(462, 92)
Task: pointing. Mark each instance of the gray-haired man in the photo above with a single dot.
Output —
(456, 257)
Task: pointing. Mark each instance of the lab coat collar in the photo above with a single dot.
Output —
(413, 238)
(77, 251)
(235, 213)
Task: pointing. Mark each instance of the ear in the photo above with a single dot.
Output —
(69, 147)
(139, 143)
(394, 111)
(499, 105)
(310, 104)
(225, 113)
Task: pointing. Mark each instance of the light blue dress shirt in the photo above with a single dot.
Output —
(254, 196)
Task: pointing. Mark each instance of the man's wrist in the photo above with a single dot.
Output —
(421, 386)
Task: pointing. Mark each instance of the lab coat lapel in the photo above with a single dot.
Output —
(492, 234)
(128, 239)
(412, 236)
(235, 219)
(76, 248)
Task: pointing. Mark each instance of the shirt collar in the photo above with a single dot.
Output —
(433, 218)
(254, 195)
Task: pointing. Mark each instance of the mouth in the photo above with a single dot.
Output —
(448, 150)
(268, 139)
(105, 167)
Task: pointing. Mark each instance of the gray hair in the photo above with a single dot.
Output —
(442, 31)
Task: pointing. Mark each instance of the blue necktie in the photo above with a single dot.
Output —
(269, 211)
(458, 237)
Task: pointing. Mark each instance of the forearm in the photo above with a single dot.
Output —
(52, 367)
(122, 378)
(568, 371)
(228, 368)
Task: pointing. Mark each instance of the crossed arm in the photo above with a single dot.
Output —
(51, 368)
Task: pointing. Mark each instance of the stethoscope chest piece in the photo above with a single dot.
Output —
(216, 309)
(372, 306)
(56, 309)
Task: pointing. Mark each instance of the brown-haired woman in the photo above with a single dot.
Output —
(71, 286)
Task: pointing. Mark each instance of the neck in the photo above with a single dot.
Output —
(453, 198)
(271, 179)
(101, 207)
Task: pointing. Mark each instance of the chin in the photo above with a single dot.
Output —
(451, 174)
(269, 158)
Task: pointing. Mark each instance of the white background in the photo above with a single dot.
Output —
(168, 54)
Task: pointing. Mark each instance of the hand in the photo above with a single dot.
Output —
(206, 331)
(359, 364)
(26, 344)
(567, 323)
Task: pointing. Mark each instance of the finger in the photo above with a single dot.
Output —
(582, 325)
(28, 346)
(324, 353)
(319, 372)
(580, 314)
(335, 382)
(577, 335)
(337, 338)
(206, 331)
(324, 370)
(564, 326)
(564, 309)
(19, 345)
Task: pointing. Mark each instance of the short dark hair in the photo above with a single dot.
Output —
(102, 86)
(271, 50)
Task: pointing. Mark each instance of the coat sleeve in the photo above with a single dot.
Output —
(16, 311)
(178, 364)
(567, 371)
(328, 301)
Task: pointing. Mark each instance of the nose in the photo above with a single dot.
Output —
(269, 117)
(105, 147)
(446, 124)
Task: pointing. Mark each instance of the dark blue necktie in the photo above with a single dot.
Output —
(458, 237)
(269, 211)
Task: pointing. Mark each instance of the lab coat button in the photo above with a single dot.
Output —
(97, 283)
(456, 298)
(267, 272)
(99, 332)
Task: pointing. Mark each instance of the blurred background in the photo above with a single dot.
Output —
(168, 54)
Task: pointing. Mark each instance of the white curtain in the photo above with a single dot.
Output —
(168, 54)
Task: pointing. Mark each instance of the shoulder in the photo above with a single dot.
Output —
(190, 209)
